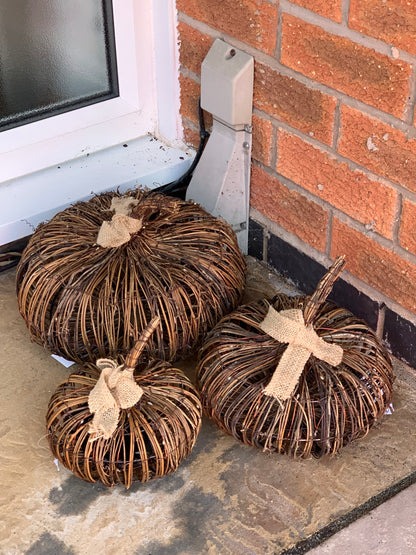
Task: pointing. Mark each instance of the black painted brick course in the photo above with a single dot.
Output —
(305, 273)
(400, 334)
(255, 239)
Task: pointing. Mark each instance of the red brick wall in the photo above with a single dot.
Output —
(334, 138)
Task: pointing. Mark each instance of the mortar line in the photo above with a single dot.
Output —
(275, 145)
(189, 123)
(345, 10)
(273, 64)
(188, 73)
(409, 110)
(384, 242)
(318, 256)
(337, 124)
(329, 234)
(341, 30)
(278, 49)
(274, 228)
(339, 157)
(396, 219)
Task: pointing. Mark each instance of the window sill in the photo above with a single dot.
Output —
(27, 201)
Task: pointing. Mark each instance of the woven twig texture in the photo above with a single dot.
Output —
(329, 407)
(84, 301)
(150, 440)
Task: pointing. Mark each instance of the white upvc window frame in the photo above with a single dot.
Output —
(81, 141)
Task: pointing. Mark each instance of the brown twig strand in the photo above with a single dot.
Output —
(134, 354)
(323, 289)
(84, 302)
(151, 438)
(330, 407)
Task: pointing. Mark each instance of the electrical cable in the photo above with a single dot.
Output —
(178, 187)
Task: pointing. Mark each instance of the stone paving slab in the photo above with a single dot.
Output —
(225, 498)
(390, 529)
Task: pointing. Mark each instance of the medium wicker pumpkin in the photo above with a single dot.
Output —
(147, 440)
(250, 389)
(83, 300)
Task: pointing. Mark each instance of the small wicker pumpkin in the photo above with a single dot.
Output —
(250, 389)
(84, 296)
(147, 440)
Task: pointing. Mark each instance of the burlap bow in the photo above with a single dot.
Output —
(115, 389)
(118, 231)
(288, 326)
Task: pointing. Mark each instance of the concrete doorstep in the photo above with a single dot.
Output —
(225, 498)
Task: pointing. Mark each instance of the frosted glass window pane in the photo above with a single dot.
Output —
(55, 56)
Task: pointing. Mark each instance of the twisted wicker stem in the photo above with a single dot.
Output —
(116, 388)
(323, 289)
(136, 351)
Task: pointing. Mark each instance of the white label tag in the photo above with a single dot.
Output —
(389, 409)
(63, 361)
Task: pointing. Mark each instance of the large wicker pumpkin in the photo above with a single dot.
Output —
(328, 407)
(84, 301)
(149, 439)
